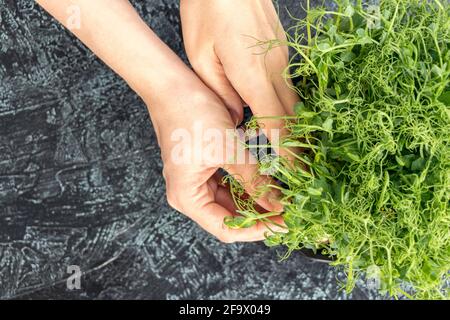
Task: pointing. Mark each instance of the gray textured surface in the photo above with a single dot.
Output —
(81, 183)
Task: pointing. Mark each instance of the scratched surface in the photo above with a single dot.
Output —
(81, 184)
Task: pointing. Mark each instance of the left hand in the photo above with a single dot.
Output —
(220, 38)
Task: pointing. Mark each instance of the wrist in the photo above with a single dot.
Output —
(178, 101)
(155, 70)
(171, 89)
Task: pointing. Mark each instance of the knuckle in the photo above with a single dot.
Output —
(255, 67)
(261, 81)
(280, 55)
(201, 98)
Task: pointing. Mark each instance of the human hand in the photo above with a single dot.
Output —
(197, 136)
(220, 39)
(177, 100)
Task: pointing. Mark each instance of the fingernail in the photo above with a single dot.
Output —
(279, 229)
(278, 207)
(279, 225)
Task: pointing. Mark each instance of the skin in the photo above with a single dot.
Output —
(220, 38)
(228, 73)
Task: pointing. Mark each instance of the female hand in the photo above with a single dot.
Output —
(197, 136)
(178, 102)
(220, 38)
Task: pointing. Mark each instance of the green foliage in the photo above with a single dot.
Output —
(374, 122)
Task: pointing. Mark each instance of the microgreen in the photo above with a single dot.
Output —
(374, 124)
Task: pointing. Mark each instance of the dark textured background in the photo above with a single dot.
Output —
(81, 183)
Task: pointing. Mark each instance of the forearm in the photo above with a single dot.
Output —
(114, 31)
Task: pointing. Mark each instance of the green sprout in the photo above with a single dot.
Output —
(374, 127)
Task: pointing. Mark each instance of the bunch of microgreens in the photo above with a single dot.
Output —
(374, 126)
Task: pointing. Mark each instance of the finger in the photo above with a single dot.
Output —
(255, 184)
(256, 87)
(285, 91)
(211, 218)
(277, 65)
(223, 197)
(278, 224)
(271, 112)
(212, 74)
(278, 72)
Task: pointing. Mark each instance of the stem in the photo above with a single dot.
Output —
(391, 24)
(308, 23)
(308, 31)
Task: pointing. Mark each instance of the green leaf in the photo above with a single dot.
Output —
(323, 74)
(365, 40)
(437, 71)
(339, 39)
(302, 111)
(445, 98)
(418, 164)
(407, 160)
(353, 156)
(361, 33)
(239, 222)
(292, 221)
(400, 161)
(300, 107)
(348, 56)
(273, 240)
(406, 52)
(339, 65)
(332, 31)
(314, 192)
(349, 11)
(323, 46)
(328, 124)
